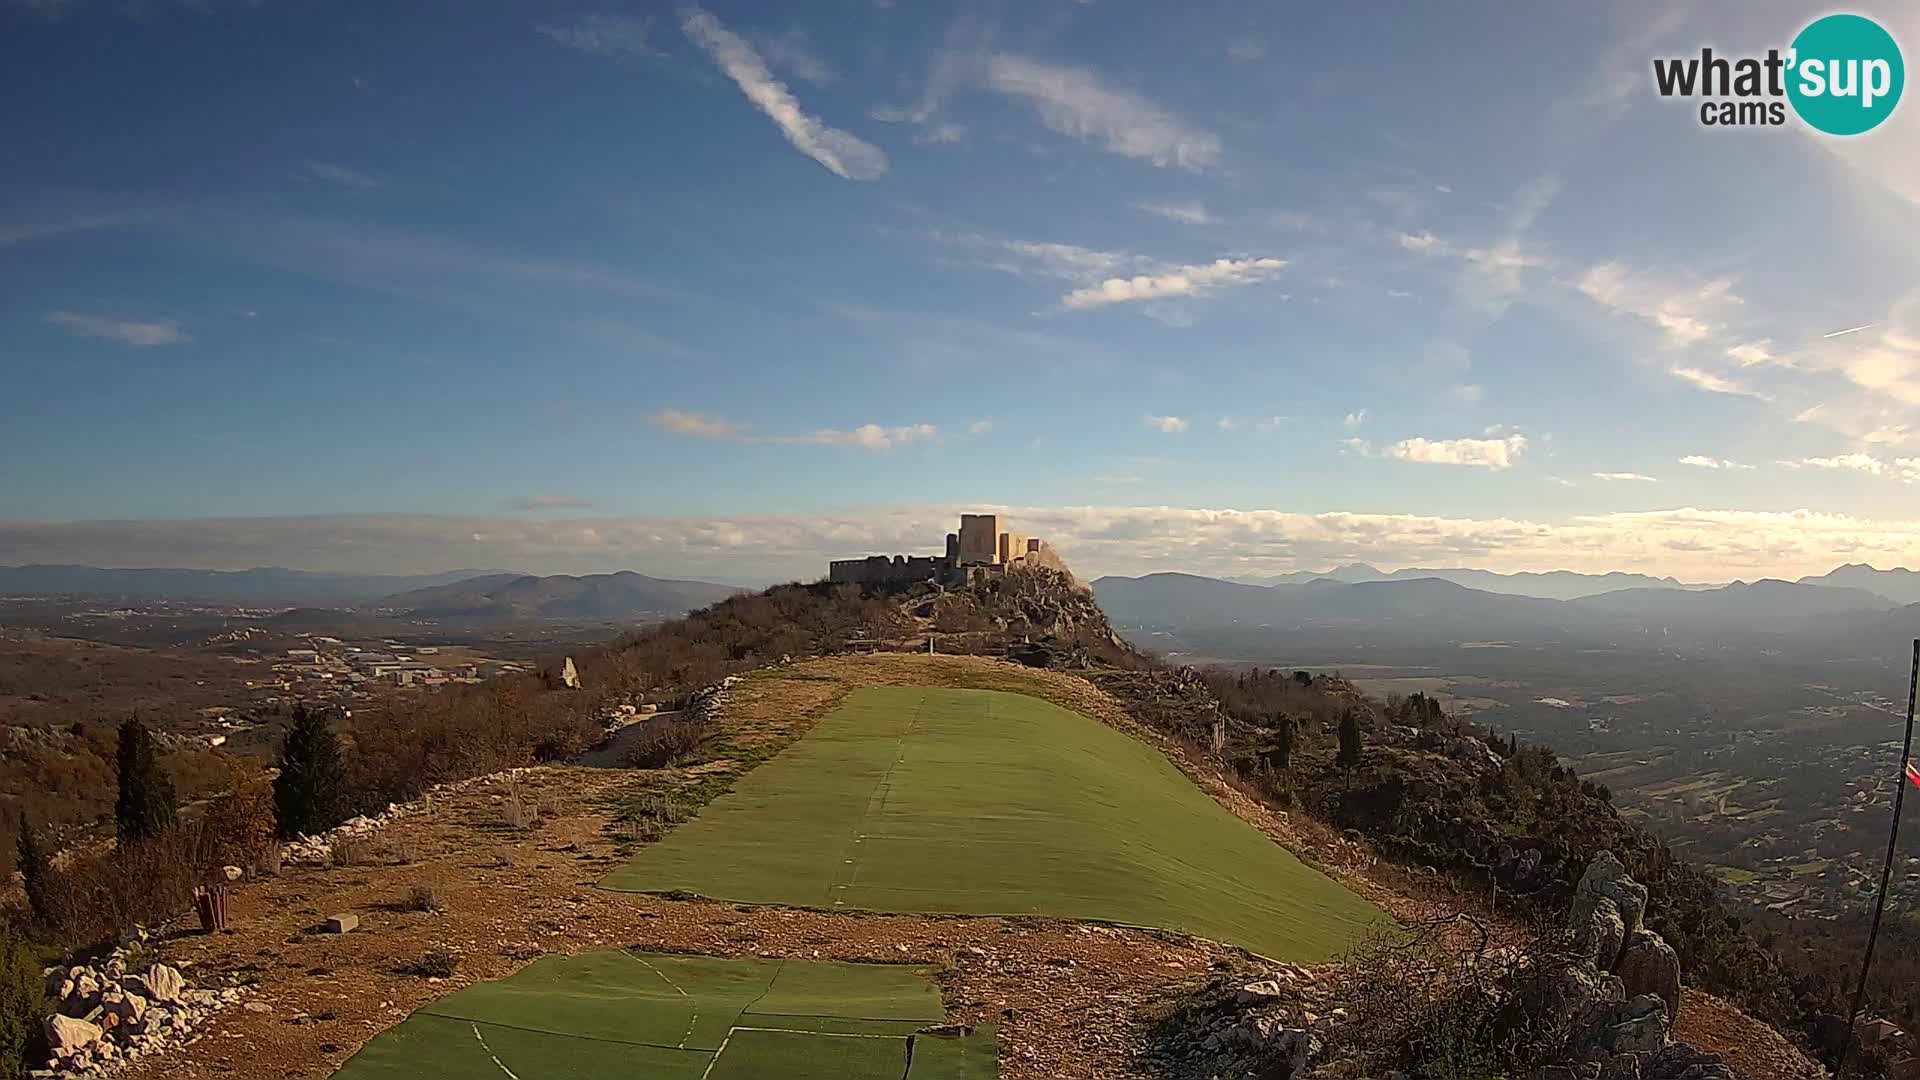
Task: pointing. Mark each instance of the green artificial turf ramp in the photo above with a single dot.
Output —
(987, 803)
(975, 1057)
(629, 1015)
(788, 1055)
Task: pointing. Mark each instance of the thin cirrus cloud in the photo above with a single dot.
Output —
(1076, 103)
(864, 437)
(1716, 384)
(843, 154)
(1627, 477)
(1703, 461)
(1103, 278)
(605, 35)
(134, 332)
(1169, 425)
(1186, 213)
(1683, 313)
(342, 176)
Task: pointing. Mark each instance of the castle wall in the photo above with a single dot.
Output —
(882, 570)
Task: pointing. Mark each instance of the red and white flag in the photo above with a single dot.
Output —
(1913, 773)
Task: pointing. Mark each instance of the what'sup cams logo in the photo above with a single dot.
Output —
(1842, 75)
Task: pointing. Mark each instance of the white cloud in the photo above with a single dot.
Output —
(1689, 543)
(1186, 213)
(1421, 242)
(1716, 384)
(1491, 274)
(1353, 420)
(842, 154)
(1633, 477)
(1471, 393)
(1477, 453)
(1074, 102)
(1171, 425)
(1226, 423)
(1755, 354)
(1683, 313)
(1702, 461)
(551, 502)
(339, 174)
(940, 133)
(126, 331)
(979, 427)
(1176, 281)
(1905, 469)
(864, 437)
(691, 423)
(793, 53)
(605, 35)
(1246, 49)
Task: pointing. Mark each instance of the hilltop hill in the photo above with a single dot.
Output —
(623, 595)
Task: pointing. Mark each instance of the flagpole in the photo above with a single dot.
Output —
(1886, 873)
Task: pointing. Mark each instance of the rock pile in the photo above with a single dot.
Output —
(707, 702)
(107, 1015)
(1236, 1028)
(318, 850)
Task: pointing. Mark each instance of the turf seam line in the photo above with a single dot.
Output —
(763, 993)
(822, 1034)
(694, 1005)
(496, 1058)
(563, 1034)
(880, 792)
(857, 1019)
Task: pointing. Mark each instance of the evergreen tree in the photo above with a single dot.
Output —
(1278, 752)
(35, 872)
(145, 807)
(310, 792)
(1350, 740)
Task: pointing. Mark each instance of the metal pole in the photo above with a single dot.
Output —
(1886, 873)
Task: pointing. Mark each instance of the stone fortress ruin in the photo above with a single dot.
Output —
(980, 547)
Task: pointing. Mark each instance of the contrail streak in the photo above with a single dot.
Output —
(1850, 330)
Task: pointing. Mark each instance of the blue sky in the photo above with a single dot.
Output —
(727, 289)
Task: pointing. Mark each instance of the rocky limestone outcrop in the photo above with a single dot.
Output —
(105, 1015)
(1648, 965)
(1618, 993)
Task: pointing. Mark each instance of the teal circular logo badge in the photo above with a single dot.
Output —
(1845, 74)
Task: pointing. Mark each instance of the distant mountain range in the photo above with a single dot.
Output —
(1554, 585)
(1433, 604)
(625, 595)
(273, 585)
(1900, 585)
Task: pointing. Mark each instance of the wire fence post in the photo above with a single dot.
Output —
(1848, 1037)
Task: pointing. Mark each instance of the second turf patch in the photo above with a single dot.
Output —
(987, 803)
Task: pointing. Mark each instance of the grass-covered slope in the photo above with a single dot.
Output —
(977, 802)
